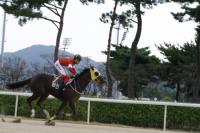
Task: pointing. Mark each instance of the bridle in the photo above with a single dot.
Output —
(75, 88)
(94, 74)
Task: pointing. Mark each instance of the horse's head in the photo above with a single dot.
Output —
(95, 75)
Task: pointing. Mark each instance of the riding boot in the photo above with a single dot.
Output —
(60, 91)
(64, 85)
(61, 88)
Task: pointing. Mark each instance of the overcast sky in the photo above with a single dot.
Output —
(89, 35)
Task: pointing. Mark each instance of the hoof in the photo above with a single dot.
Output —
(50, 123)
(17, 120)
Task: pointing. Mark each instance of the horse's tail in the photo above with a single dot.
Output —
(18, 84)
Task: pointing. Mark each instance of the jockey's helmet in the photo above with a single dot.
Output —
(77, 57)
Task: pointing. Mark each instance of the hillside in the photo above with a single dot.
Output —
(33, 55)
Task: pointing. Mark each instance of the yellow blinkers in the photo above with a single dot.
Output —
(94, 73)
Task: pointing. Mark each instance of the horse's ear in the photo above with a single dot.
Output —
(92, 67)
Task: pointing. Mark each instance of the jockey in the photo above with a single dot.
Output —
(69, 63)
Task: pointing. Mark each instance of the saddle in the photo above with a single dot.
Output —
(58, 82)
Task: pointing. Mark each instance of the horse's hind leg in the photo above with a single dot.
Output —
(40, 103)
(29, 100)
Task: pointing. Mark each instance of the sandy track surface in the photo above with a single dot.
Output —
(37, 126)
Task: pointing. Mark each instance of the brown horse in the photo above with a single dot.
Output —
(41, 86)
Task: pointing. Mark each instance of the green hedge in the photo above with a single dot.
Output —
(127, 114)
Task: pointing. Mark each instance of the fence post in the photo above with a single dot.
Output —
(165, 118)
(16, 105)
(88, 113)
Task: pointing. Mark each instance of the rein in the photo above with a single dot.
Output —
(93, 77)
(75, 89)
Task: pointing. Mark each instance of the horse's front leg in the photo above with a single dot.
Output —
(72, 107)
(51, 120)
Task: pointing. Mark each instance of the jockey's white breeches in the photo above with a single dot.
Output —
(60, 69)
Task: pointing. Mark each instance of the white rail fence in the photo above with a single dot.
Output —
(165, 104)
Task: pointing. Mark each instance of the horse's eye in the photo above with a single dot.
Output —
(96, 74)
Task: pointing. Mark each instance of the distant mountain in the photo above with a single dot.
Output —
(33, 55)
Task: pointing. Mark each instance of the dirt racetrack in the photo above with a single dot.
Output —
(37, 126)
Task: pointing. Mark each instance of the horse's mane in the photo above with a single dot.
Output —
(82, 72)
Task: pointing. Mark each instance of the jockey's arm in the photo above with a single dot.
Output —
(72, 69)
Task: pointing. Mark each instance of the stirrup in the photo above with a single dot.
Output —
(54, 84)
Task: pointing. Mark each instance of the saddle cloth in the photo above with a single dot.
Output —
(58, 82)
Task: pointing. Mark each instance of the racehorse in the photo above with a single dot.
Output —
(41, 86)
